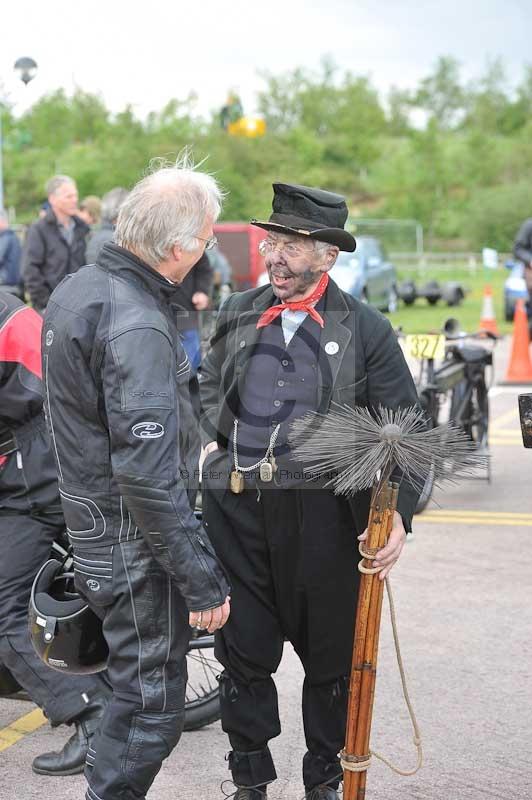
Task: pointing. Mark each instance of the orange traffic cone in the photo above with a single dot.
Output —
(488, 321)
(520, 367)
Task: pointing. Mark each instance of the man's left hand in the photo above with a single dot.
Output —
(388, 555)
(200, 301)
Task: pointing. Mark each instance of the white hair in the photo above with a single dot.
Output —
(58, 180)
(168, 207)
(322, 247)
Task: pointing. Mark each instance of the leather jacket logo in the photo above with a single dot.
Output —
(147, 430)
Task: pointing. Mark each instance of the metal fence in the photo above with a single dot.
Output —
(430, 262)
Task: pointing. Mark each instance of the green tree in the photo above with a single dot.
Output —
(519, 112)
(441, 94)
(488, 101)
(343, 112)
(400, 104)
(465, 173)
(494, 215)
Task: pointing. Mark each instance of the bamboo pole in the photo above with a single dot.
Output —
(366, 641)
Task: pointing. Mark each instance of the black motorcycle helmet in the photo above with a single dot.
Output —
(66, 634)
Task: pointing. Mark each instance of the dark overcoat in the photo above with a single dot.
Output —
(47, 258)
(365, 366)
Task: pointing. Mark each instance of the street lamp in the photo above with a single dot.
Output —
(26, 69)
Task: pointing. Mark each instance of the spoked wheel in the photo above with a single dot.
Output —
(202, 700)
(475, 418)
(202, 697)
(478, 422)
(426, 494)
(429, 405)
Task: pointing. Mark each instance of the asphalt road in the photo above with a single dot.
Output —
(463, 596)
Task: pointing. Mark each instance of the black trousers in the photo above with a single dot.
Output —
(145, 623)
(291, 556)
(25, 544)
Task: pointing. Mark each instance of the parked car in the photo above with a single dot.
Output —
(364, 274)
(514, 288)
(367, 274)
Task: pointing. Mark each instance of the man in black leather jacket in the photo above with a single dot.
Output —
(127, 446)
(30, 520)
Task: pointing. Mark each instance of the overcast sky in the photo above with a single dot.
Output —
(146, 53)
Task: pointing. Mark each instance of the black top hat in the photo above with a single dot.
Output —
(309, 212)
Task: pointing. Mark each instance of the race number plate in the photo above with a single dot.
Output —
(426, 345)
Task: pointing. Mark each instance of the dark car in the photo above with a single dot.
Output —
(367, 274)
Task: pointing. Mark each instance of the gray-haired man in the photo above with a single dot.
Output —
(55, 244)
(126, 442)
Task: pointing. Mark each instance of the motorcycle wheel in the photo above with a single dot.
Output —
(429, 405)
(202, 696)
(426, 494)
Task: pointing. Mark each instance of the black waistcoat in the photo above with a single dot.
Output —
(281, 385)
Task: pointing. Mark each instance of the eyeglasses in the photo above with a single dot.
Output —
(211, 242)
(289, 249)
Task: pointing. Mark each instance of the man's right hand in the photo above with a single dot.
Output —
(212, 619)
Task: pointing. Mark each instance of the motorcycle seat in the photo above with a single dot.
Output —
(470, 354)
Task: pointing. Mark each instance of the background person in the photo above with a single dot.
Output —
(523, 252)
(127, 447)
(193, 297)
(223, 274)
(111, 202)
(10, 254)
(55, 244)
(90, 210)
(30, 520)
(44, 208)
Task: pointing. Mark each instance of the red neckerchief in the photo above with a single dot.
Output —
(298, 305)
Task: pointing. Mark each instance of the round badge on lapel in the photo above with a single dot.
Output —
(331, 348)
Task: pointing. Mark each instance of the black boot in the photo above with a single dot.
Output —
(71, 759)
(250, 793)
(252, 772)
(322, 792)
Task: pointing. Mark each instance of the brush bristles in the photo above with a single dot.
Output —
(358, 445)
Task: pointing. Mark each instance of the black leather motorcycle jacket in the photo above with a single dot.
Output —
(118, 407)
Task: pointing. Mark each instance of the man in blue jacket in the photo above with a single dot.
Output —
(10, 253)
